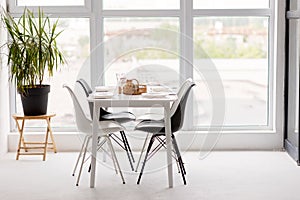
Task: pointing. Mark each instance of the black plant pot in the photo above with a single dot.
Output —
(35, 100)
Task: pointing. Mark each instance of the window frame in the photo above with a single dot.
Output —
(259, 12)
(94, 11)
(61, 10)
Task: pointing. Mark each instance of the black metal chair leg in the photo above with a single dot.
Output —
(90, 168)
(182, 164)
(145, 159)
(182, 172)
(126, 149)
(178, 152)
(179, 159)
(128, 146)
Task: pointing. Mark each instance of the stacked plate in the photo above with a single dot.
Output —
(102, 88)
(102, 92)
(159, 89)
(155, 94)
(102, 95)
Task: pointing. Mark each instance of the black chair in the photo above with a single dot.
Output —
(157, 128)
(120, 117)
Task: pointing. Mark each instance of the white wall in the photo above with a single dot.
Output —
(4, 91)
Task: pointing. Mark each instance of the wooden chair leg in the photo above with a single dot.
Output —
(52, 139)
(21, 129)
(21, 139)
(46, 138)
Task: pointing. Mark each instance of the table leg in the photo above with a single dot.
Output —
(94, 145)
(169, 143)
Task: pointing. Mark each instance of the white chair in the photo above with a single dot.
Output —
(120, 117)
(84, 125)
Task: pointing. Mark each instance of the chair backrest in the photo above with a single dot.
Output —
(182, 87)
(178, 107)
(87, 90)
(82, 122)
(86, 87)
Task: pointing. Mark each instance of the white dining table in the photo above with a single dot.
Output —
(132, 101)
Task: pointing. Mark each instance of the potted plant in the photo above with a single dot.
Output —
(32, 53)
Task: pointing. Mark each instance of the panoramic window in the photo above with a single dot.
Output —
(238, 47)
(237, 43)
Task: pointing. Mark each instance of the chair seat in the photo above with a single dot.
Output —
(151, 116)
(120, 117)
(157, 127)
(107, 127)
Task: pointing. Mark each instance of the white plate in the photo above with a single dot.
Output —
(160, 89)
(102, 89)
(102, 95)
(155, 95)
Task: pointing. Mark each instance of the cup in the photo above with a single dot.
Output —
(121, 81)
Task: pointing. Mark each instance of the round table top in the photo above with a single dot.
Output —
(22, 116)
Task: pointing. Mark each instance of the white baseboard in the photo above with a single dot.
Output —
(70, 141)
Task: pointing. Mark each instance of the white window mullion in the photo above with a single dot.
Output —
(96, 35)
(271, 70)
(186, 51)
(186, 44)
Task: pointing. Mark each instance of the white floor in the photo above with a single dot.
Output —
(221, 175)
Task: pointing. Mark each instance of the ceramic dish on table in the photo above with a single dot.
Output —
(102, 88)
(155, 95)
(102, 95)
